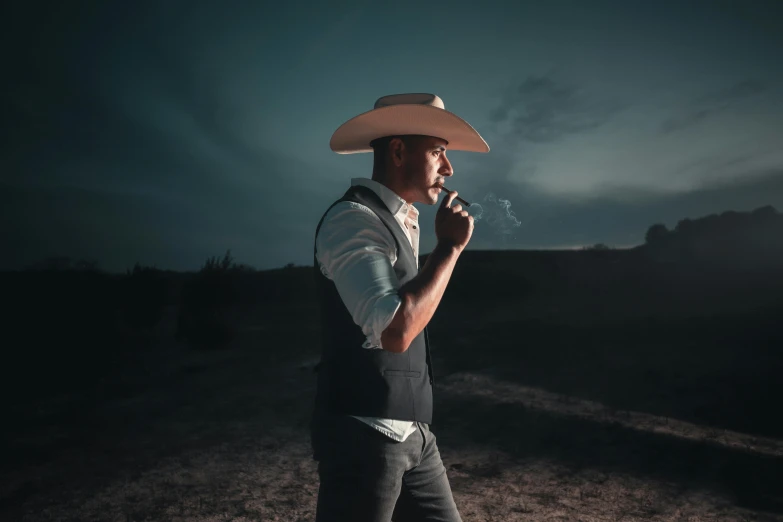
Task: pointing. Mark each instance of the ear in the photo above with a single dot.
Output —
(397, 151)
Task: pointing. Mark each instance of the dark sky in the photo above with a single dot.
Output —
(168, 132)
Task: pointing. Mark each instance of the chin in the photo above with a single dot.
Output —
(432, 196)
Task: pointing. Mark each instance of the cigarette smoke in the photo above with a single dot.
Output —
(495, 212)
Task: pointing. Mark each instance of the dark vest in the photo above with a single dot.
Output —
(370, 382)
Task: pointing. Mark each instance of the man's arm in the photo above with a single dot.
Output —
(420, 298)
(421, 295)
(357, 252)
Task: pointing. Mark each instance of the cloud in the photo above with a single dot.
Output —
(542, 109)
(709, 105)
(538, 117)
(626, 148)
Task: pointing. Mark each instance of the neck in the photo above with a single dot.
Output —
(388, 182)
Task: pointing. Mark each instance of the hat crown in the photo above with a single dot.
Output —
(410, 99)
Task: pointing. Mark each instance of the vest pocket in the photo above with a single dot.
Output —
(402, 373)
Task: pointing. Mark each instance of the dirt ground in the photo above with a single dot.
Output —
(605, 417)
(219, 436)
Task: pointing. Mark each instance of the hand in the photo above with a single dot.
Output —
(453, 226)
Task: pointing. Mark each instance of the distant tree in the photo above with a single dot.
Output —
(684, 227)
(656, 233)
(765, 212)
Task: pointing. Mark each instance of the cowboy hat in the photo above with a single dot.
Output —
(401, 114)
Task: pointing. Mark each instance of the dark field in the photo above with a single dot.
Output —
(585, 385)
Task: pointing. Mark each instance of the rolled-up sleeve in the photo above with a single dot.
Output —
(356, 251)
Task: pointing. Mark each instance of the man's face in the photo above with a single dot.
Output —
(424, 166)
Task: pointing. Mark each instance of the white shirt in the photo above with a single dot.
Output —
(356, 251)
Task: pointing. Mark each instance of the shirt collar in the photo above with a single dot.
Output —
(393, 202)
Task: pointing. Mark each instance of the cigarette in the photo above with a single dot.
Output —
(457, 198)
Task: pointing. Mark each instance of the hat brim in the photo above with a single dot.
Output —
(355, 135)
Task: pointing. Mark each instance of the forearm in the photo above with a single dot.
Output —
(420, 298)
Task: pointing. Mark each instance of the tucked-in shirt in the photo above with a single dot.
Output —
(357, 252)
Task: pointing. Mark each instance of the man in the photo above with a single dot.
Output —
(377, 457)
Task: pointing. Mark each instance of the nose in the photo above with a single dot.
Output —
(446, 169)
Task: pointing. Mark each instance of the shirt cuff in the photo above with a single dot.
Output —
(383, 313)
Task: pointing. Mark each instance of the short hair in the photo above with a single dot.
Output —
(381, 148)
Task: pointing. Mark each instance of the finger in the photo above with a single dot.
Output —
(464, 213)
(448, 199)
(456, 208)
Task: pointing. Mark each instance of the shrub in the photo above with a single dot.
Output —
(656, 234)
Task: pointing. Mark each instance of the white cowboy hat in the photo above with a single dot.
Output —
(400, 114)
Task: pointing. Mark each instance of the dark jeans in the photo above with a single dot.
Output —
(367, 477)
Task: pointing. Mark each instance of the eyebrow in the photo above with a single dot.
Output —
(439, 147)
